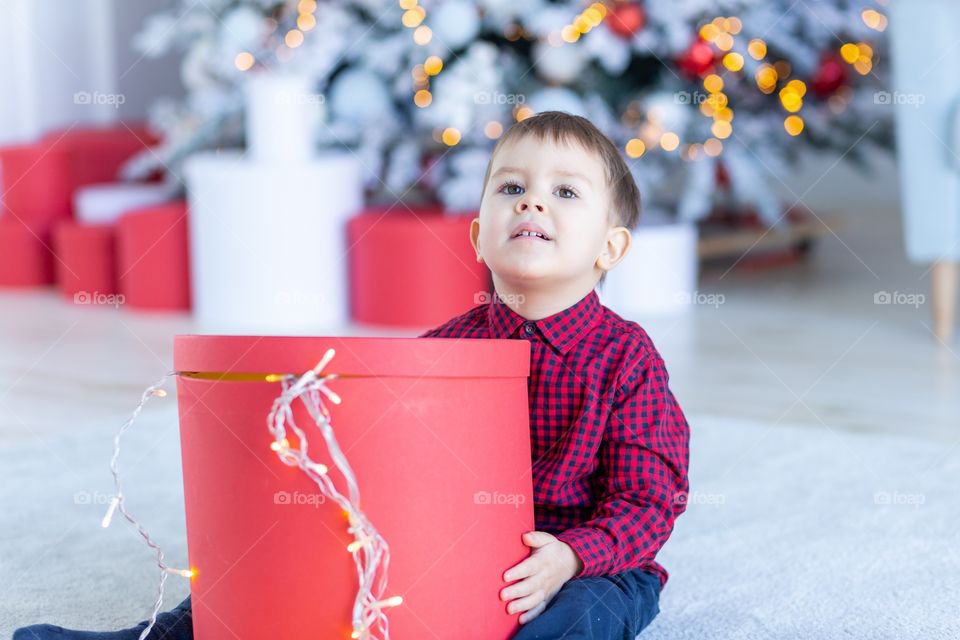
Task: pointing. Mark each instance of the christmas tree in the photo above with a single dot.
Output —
(421, 90)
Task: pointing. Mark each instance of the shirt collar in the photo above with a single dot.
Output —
(562, 330)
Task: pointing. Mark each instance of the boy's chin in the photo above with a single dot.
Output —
(526, 275)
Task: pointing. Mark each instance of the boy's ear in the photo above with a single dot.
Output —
(616, 248)
(475, 237)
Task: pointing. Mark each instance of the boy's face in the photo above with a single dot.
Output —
(562, 189)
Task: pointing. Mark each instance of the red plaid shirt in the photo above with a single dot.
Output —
(609, 443)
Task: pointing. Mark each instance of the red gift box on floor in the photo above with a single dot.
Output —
(26, 257)
(153, 266)
(36, 185)
(412, 269)
(96, 154)
(437, 434)
(39, 179)
(85, 259)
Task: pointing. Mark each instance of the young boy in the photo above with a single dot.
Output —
(609, 442)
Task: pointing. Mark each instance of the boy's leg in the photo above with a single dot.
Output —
(614, 607)
(176, 624)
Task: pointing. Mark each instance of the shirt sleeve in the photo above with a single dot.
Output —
(640, 483)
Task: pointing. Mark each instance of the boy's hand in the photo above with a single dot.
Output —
(551, 563)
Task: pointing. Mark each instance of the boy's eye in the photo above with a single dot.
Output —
(507, 188)
(566, 192)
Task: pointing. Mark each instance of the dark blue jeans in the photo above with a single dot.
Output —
(616, 607)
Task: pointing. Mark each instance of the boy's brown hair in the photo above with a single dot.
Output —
(567, 128)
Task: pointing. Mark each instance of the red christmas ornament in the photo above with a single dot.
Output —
(626, 18)
(698, 59)
(830, 76)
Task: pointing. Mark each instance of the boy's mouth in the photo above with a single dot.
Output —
(530, 236)
(529, 231)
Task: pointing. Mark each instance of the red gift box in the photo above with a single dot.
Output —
(39, 179)
(36, 185)
(96, 154)
(153, 266)
(85, 259)
(412, 269)
(26, 258)
(437, 434)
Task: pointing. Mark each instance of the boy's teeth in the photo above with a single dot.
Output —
(532, 233)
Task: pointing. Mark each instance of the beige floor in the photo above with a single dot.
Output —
(804, 344)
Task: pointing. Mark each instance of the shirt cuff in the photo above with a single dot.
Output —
(594, 547)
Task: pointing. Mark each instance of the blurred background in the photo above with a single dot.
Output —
(268, 167)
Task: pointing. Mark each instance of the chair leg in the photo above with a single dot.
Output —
(943, 287)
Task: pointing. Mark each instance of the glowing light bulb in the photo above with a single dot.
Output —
(733, 61)
(422, 98)
(669, 141)
(757, 49)
(635, 148)
(713, 83)
(114, 502)
(392, 601)
(244, 61)
(355, 545)
(793, 125)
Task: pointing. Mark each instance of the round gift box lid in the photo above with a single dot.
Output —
(408, 357)
(105, 203)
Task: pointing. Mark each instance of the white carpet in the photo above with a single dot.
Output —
(788, 534)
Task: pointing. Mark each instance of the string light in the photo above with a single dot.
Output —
(413, 17)
(874, 19)
(635, 148)
(713, 147)
(433, 65)
(117, 503)
(493, 130)
(793, 125)
(713, 83)
(766, 77)
(733, 61)
(450, 136)
(583, 22)
(422, 98)
(293, 39)
(244, 61)
(757, 49)
(422, 35)
(370, 552)
(669, 141)
(306, 22)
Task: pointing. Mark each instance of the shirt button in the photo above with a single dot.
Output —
(529, 328)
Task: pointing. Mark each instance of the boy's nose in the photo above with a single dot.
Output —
(527, 203)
